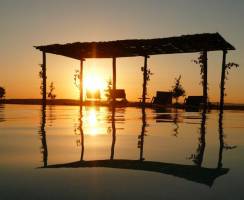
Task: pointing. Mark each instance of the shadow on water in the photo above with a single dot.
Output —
(195, 173)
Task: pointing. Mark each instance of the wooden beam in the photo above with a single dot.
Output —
(222, 81)
(144, 85)
(44, 78)
(114, 79)
(205, 78)
(81, 81)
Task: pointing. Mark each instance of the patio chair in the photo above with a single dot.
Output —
(162, 98)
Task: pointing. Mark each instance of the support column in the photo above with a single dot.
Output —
(205, 78)
(114, 79)
(81, 80)
(222, 82)
(144, 86)
(44, 78)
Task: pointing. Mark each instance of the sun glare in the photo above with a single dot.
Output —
(94, 83)
(94, 126)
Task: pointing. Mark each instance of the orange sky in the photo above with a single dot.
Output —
(30, 23)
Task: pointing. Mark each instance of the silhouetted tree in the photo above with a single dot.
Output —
(178, 89)
(2, 92)
(51, 94)
(108, 90)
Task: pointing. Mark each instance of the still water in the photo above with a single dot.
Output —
(68, 152)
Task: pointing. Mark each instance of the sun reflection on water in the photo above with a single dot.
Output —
(95, 123)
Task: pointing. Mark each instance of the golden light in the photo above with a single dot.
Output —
(93, 83)
(92, 119)
(94, 126)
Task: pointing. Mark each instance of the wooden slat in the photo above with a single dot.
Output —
(142, 47)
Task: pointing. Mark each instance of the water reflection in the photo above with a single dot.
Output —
(51, 115)
(142, 135)
(198, 156)
(42, 133)
(93, 120)
(81, 135)
(169, 116)
(2, 119)
(113, 133)
(221, 139)
(222, 144)
(196, 172)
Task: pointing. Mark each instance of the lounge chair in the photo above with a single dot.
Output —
(119, 94)
(93, 95)
(194, 101)
(162, 98)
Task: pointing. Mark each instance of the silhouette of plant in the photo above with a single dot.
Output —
(224, 77)
(40, 76)
(178, 89)
(77, 78)
(200, 61)
(227, 68)
(148, 74)
(108, 90)
(2, 92)
(50, 94)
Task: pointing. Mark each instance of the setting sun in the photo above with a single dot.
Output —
(94, 83)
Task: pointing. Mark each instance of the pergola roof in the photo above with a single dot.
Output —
(140, 47)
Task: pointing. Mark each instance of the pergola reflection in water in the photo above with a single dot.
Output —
(195, 172)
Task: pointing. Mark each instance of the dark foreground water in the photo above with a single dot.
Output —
(123, 153)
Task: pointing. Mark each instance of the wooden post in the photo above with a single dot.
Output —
(205, 78)
(114, 79)
(44, 78)
(81, 80)
(144, 86)
(222, 82)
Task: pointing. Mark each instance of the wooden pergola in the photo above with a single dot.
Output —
(139, 47)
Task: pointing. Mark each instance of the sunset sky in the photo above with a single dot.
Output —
(28, 23)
